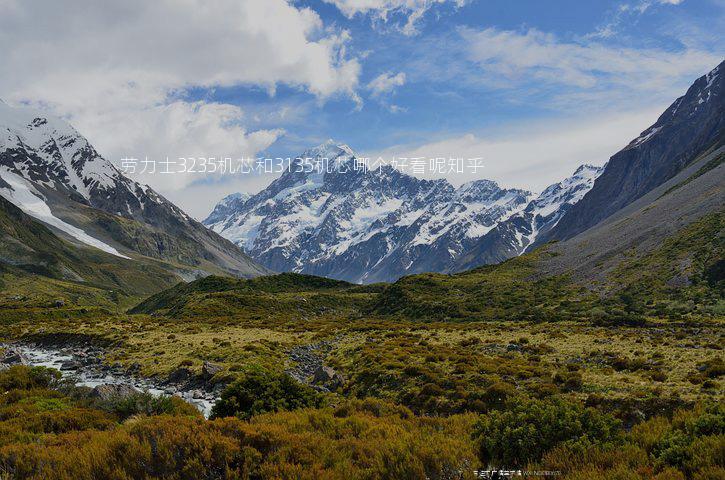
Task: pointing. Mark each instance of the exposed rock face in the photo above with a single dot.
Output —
(692, 125)
(111, 391)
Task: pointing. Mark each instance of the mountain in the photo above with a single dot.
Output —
(227, 206)
(38, 268)
(691, 126)
(53, 174)
(515, 235)
(369, 225)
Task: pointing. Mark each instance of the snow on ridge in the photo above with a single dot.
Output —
(22, 194)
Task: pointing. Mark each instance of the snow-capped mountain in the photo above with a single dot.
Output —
(515, 235)
(361, 225)
(54, 174)
(228, 206)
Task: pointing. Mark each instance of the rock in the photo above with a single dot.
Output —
(14, 357)
(134, 368)
(71, 365)
(181, 374)
(208, 370)
(328, 378)
(109, 391)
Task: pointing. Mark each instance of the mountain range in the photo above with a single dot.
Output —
(69, 214)
(367, 226)
(370, 225)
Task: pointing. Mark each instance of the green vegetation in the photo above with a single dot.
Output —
(45, 434)
(262, 392)
(442, 374)
(525, 430)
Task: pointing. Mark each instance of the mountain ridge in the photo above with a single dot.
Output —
(692, 124)
(55, 175)
(365, 226)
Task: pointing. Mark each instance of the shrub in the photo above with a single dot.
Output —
(144, 403)
(21, 377)
(527, 429)
(261, 392)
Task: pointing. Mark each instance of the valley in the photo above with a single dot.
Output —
(366, 325)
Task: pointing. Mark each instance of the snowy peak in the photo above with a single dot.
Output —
(47, 150)
(48, 170)
(328, 150)
(227, 206)
(518, 233)
(361, 225)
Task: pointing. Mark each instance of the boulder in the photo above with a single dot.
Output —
(208, 370)
(180, 375)
(328, 378)
(13, 356)
(71, 365)
(109, 391)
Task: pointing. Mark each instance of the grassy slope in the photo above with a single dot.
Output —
(283, 295)
(681, 276)
(37, 268)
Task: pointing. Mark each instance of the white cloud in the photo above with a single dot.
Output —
(540, 59)
(625, 11)
(383, 9)
(533, 155)
(117, 70)
(385, 83)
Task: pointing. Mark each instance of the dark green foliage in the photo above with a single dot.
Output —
(261, 392)
(527, 429)
(144, 403)
(694, 437)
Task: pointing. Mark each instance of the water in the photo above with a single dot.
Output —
(88, 376)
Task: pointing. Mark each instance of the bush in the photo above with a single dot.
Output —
(25, 378)
(261, 392)
(144, 403)
(527, 429)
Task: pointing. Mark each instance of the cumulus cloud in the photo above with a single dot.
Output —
(385, 83)
(118, 70)
(382, 10)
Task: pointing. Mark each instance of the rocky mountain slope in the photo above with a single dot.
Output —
(360, 225)
(691, 126)
(39, 268)
(53, 174)
(518, 233)
(595, 256)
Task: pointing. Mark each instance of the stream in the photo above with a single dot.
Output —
(93, 374)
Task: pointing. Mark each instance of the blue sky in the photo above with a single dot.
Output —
(436, 102)
(534, 87)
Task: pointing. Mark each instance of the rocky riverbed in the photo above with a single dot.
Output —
(85, 365)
